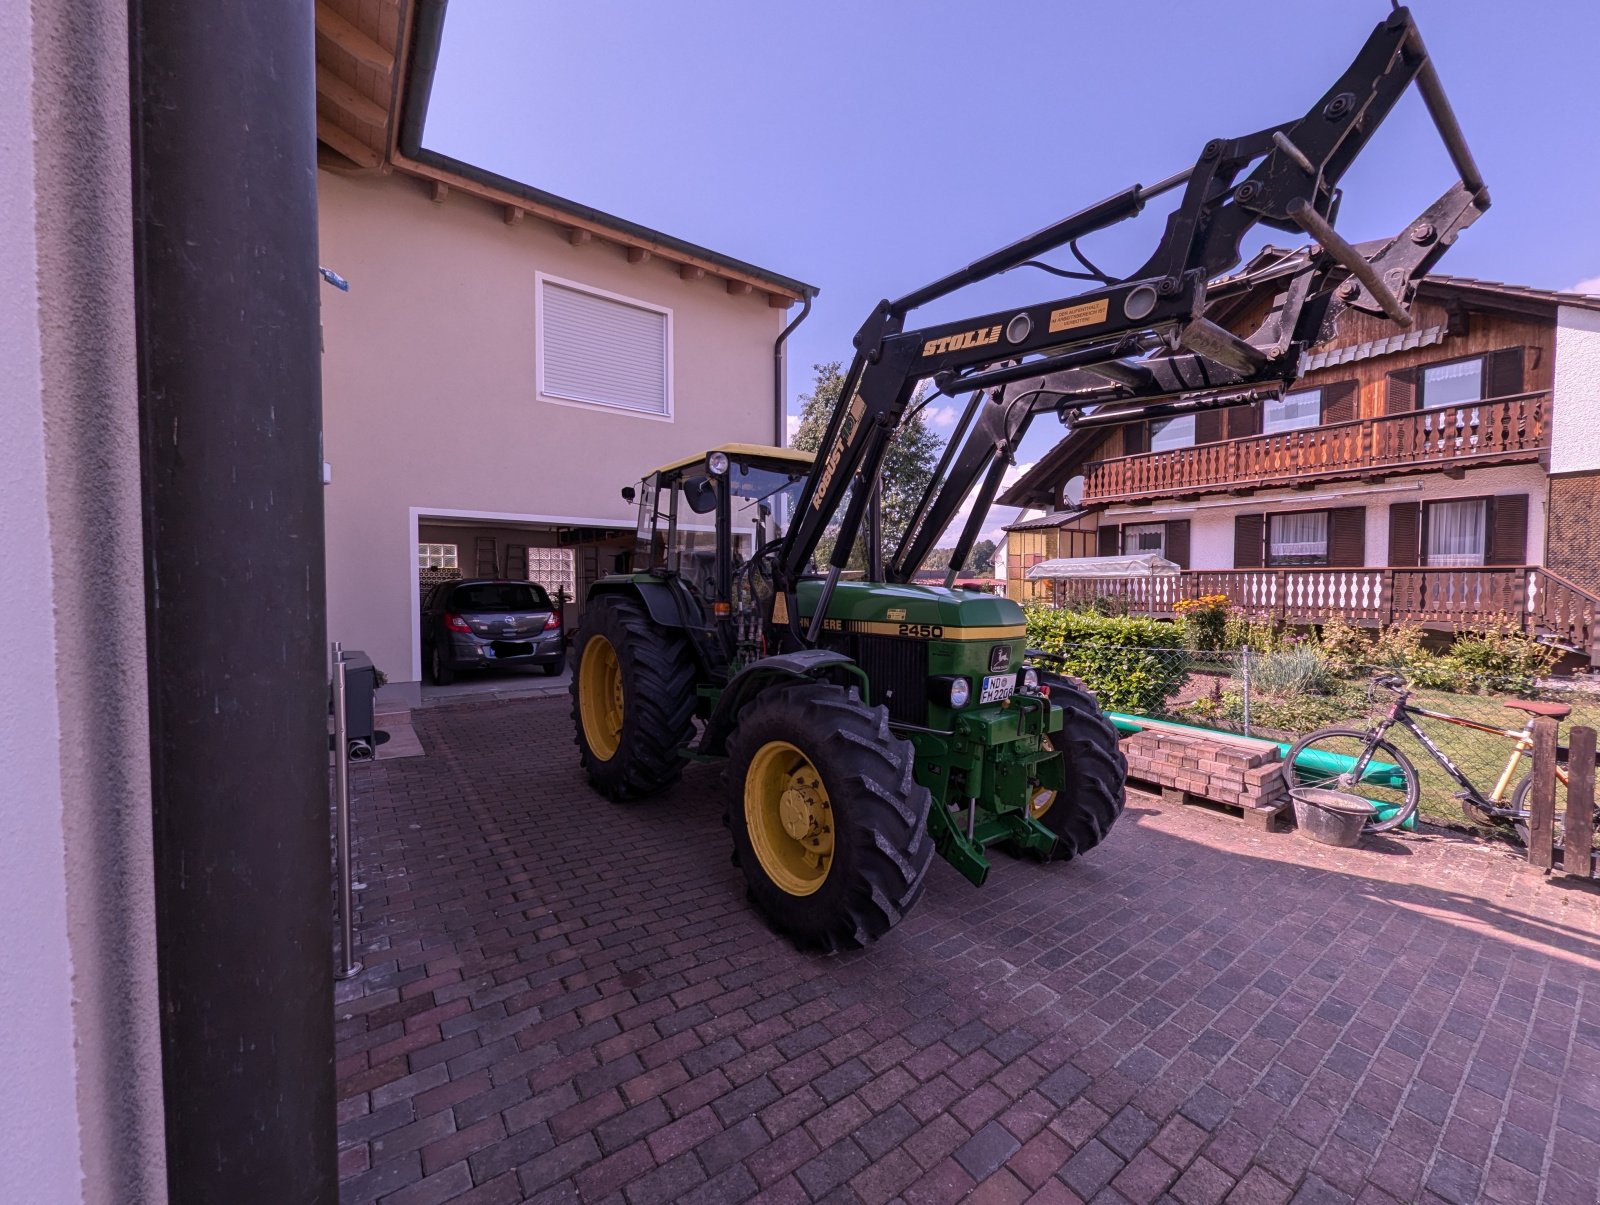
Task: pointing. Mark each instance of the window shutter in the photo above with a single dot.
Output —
(1178, 542)
(1502, 375)
(603, 351)
(1208, 427)
(1405, 533)
(1402, 391)
(1111, 540)
(1249, 535)
(1135, 438)
(1347, 536)
(1339, 401)
(1244, 421)
(1507, 519)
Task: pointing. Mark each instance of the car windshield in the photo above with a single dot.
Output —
(500, 596)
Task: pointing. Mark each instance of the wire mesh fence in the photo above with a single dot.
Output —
(1286, 692)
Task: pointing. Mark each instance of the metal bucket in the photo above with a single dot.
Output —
(1331, 817)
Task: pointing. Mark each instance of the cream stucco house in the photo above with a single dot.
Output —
(503, 360)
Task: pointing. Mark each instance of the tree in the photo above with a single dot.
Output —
(980, 561)
(907, 467)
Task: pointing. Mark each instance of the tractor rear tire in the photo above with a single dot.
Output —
(829, 824)
(1094, 771)
(633, 700)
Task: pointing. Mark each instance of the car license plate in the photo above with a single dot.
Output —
(997, 687)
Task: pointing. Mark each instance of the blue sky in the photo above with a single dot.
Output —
(869, 148)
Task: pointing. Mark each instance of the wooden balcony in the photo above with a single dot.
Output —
(1499, 432)
(1535, 600)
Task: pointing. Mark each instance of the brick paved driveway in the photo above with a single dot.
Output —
(568, 1000)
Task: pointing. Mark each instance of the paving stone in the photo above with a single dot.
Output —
(983, 1154)
(1091, 1169)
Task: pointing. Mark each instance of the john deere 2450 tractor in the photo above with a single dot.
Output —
(865, 722)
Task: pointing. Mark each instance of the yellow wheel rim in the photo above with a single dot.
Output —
(789, 818)
(600, 697)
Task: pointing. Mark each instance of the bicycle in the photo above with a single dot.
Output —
(1345, 759)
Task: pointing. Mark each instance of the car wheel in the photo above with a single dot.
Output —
(439, 667)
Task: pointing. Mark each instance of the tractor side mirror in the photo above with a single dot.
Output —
(628, 493)
(700, 494)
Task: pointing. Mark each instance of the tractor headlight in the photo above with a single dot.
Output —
(953, 692)
(1030, 680)
(717, 462)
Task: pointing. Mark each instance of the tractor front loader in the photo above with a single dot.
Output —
(865, 723)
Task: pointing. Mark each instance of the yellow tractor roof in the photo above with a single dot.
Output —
(743, 452)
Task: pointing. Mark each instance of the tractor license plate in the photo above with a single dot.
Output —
(997, 687)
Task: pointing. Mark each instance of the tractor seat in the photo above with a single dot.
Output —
(1556, 711)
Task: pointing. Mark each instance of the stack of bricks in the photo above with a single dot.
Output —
(1191, 768)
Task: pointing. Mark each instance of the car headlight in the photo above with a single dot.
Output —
(960, 692)
(1030, 680)
(717, 462)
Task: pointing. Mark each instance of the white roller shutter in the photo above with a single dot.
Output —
(603, 350)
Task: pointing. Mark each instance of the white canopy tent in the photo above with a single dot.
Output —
(1070, 568)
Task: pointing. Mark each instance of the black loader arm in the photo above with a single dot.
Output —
(1139, 345)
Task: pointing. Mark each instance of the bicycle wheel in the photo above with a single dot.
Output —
(1327, 758)
(1520, 805)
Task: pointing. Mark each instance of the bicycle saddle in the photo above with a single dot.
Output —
(1556, 711)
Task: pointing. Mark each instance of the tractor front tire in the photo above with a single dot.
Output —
(1094, 772)
(829, 825)
(633, 699)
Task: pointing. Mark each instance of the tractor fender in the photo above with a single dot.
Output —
(656, 597)
(808, 665)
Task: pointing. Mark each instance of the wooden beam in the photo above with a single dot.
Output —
(513, 215)
(778, 301)
(346, 97)
(578, 237)
(1455, 472)
(352, 41)
(638, 255)
(739, 288)
(690, 272)
(441, 190)
(347, 144)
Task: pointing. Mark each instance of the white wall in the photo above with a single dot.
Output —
(80, 1072)
(429, 387)
(1575, 441)
(1211, 527)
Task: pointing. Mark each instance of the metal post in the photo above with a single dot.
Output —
(1247, 690)
(348, 965)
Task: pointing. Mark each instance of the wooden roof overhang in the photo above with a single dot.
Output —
(375, 63)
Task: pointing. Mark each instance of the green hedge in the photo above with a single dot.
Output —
(1132, 664)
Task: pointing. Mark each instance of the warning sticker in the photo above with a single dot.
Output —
(1073, 316)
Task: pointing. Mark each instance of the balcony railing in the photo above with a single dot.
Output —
(1533, 599)
(1507, 429)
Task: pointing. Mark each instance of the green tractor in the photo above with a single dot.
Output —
(866, 722)
(914, 724)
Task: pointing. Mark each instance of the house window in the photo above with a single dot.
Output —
(554, 569)
(1456, 532)
(1141, 538)
(597, 349)
(1293, 411)
(1452, 384)
(1298, 539)
(436, 556)
(1171, 433)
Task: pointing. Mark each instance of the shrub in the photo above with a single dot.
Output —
(1241, 633)
(1292, 672)
(1204, 620)
(1132, 664)
(1499, 660)
(1346, 648)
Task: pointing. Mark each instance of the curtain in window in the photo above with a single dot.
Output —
(1455, 533)
(1298, 538)
(1144, 537)
(1452, 384)
(1293, 411)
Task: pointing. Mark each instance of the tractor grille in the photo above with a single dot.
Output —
(898, 671)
